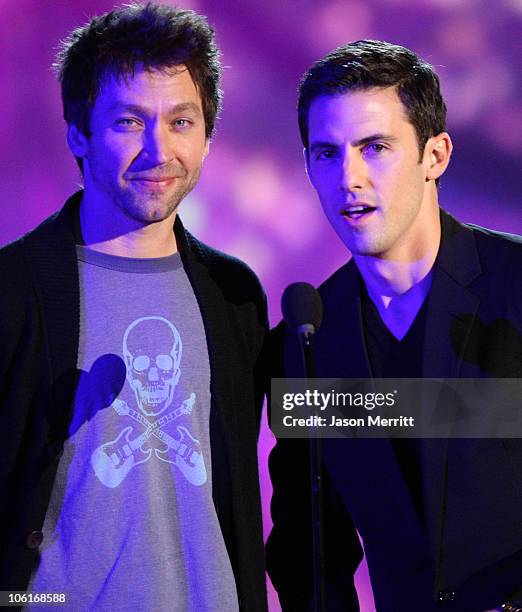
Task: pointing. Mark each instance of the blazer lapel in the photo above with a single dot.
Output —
(215, 319)
(223, 425)
(452, 307)
(339, 344)
(341, 352)
(451, 312)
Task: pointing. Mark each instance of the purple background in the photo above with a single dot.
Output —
(253, 199)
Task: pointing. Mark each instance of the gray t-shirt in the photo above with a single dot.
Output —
(131, 524)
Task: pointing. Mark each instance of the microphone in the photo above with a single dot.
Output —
(303, 312)
(302, 308)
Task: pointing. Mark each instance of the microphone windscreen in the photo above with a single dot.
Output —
(302, 305)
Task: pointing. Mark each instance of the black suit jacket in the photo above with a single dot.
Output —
(39, 335)
(468, 548)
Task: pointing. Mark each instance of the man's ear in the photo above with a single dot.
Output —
(207, 148)
(77, 141)
(437, 154)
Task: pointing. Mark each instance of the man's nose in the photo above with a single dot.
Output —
(158, 147)
(354, 172)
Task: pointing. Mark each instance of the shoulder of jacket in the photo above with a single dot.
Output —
(227, 270)
(500, 255)
(16, 257)
(500, 241)
(346, 273)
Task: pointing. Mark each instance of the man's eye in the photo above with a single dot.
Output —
(182, 123)
(375, 148)
(127, 122)
(325, 154)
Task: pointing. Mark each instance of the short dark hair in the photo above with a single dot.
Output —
(365, 64)
(153, 35)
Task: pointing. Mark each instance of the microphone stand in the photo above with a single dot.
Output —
(306, 332)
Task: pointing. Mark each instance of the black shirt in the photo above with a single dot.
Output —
(393, 358)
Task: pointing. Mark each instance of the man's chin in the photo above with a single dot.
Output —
(363, 248)
(154, 207)
(151, 212)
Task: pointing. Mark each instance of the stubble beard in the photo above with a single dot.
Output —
(156, 207)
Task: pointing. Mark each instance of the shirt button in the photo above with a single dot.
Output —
(34, 539)
(444, 596)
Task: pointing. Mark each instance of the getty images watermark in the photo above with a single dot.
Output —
(397, 408)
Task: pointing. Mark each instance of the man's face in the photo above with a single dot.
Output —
(147, 143)
(363, 161)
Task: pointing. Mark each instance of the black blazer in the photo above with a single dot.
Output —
(39, 334)
(471, 489)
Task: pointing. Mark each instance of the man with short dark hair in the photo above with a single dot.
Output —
(423, 296)
(131, 392)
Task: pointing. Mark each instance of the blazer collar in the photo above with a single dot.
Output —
(452, 305)
(452, 310)
(457, 257)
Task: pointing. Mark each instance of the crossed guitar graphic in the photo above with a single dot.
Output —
(113, 460)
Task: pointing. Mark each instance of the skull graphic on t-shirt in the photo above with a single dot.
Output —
(152, 351)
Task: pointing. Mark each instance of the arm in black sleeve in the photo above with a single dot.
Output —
(289, 547)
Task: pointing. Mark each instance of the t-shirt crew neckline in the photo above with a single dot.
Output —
(128, 264)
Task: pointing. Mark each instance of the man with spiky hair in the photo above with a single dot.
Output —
(423, 296)
(131, 388)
